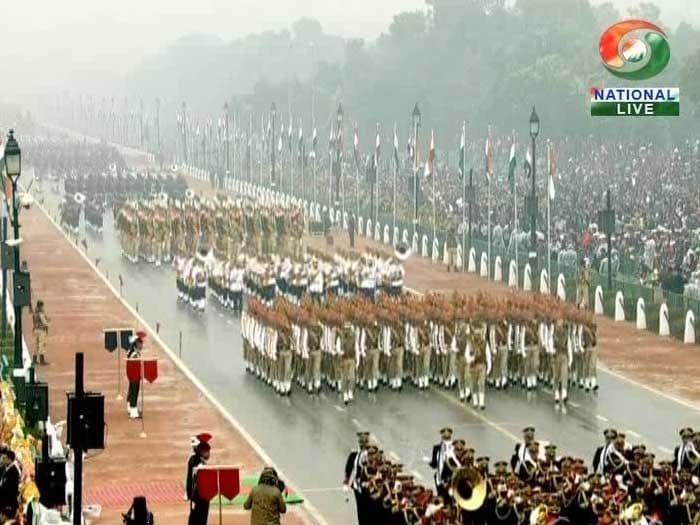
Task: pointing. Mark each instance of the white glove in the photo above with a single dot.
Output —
(426, 459)
(346, 488)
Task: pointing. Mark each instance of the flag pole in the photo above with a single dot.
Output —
(549, 215)
(515, 218)
(375, 186)
(464, 195)
(432, 176)
(488, 222)
(396, 171)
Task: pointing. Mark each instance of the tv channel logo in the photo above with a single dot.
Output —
(634, 50)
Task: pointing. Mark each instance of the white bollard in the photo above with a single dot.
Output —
(377, 232)
(395, 236)
(513, 274)
(436, 251)
(345, 221)
(360, 226)
(527, 278)
(424, 246)
(472, 261)
(484, 268)
(498, 269)
(689, 335)
(544, 282)
(369, 229)
(318, 213)
(619, 306)
(598, 306)
(404, 238)
(386, 234)
(641, 314)
(446, 256)
(664, 327)
(460, 258)
(561, 287)
(414, 243)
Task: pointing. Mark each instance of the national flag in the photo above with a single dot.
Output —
(462, 144)
(528, 163)
(489, 155)
(314, 142)
(302, 155)
(396, 147)
(356, 147)
(511, 166)
(377, 146)
(428, 171)
(552, 169)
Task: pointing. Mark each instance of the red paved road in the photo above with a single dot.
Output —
(80, 307)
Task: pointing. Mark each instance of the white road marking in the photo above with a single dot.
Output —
(339, 408)
(394, 456)
(602, 418)
(357, 424)
(682, 402)
(575, 405)
(478, 415)
(633, 434)
(665, 450)
(417, 475)
(309, 507)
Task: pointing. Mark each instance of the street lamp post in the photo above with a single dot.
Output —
(226, 144)
(273, 112)
(339, 159)
(534, 131)
(184, 132)
(13, 168)
(416, 124)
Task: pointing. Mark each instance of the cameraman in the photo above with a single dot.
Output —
(266, 500)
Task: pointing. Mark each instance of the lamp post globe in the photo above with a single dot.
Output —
(534, 124)
(340, 114)
(416, 116)
(13, 157)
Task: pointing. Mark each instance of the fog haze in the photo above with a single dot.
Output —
(56, 44)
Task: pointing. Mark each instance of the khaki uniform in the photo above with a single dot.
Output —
(560, 361)
(41, 330)
(347, 365)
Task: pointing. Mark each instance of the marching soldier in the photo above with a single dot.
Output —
(561, 352)
(352, 480)
(480, 360)
(348, 362)
(462, 364)
(589, 341)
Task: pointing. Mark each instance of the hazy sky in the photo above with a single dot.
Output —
(54, 36)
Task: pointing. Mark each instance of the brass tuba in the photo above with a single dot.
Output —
(539, 515)
(468, 488)
(633, 514)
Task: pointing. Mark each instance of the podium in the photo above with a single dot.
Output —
(221, 480)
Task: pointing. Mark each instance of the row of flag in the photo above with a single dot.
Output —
(336, 140)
